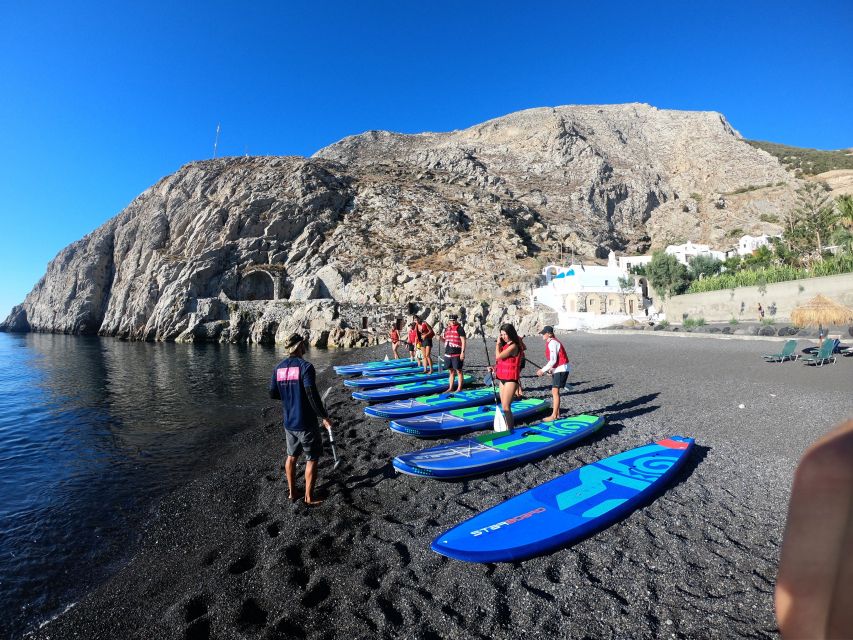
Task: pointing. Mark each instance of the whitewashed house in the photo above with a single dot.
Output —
(684, 252)
(747, 245)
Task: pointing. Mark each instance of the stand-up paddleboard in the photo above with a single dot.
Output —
(431, 403)
(358, 367)
(372, 382)
(408, 390)
(567, 508)
(394, 371)
(447, 423)
(492, 451)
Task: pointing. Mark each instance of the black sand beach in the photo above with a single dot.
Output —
(229, 557)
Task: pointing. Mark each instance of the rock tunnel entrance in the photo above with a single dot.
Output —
(257, 285)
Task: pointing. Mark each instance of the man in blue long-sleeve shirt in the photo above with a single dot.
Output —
(293, 382)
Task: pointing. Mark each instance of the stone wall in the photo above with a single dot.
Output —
(778, 300)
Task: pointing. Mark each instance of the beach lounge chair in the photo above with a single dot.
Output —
(787, 353)
(824, 354)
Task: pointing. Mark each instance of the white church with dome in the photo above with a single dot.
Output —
(591, 297)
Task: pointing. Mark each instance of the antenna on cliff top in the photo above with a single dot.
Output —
(216, 141)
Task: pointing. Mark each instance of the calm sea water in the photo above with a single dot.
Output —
(92, 432)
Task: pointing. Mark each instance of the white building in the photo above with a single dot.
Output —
(626, 263)
(747, 245)
(684, 252)
(590, 296)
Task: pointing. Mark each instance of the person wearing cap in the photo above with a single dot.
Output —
(294, 383)
(557, 366)
(454, 351)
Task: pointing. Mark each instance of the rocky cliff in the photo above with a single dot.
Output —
(253, 248)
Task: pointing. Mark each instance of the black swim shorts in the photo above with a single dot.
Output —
(426, 342)
(310, 441)
(453, 361)
(411, 347)
(558, 380)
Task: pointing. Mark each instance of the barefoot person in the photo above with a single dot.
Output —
(557, 366)
(293, 382)
(395, 340)
(413, 341)
(426, 334)
(454, 351)
(507, 368)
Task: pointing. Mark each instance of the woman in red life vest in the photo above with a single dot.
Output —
(413, 340)
(454, 351)
(507, 368)
(426, 335)
(395, 340)
(557, 365)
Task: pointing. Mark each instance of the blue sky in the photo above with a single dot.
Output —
(100, 100)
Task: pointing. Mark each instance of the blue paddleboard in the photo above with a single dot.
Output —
(358, 367)
(431, 403)
(394, 371)
(492, 451)
(568, 508)
(456, 421)
(408, 390)
(371, 381)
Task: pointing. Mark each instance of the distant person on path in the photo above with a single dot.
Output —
(814, 586)
(426, 334)
(293, 382)
(395, 340)
(760, 312)
(557, 366)
(413, 341)
(454, 351)
(507, 368)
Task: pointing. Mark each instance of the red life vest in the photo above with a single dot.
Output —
(395, 335)
(413, 336)
(451, 336)
(426, 331)
(508, 368)
(562, 358)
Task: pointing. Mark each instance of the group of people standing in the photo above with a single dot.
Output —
(510, 359)
(420, 344)
(294, 383)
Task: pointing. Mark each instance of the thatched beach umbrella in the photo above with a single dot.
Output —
(821, 311)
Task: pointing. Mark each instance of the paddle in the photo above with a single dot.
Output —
(499, 423)
(331, 439)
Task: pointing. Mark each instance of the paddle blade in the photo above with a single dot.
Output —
(499, 423)
(488, 380)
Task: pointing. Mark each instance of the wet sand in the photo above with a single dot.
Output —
(228, 556)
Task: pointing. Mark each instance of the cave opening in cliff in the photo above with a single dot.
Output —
(257, 285)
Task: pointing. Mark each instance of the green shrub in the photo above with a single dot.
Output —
(769, 217)
(691, 323)
(767, 321)
(663, 323)
(733, 321)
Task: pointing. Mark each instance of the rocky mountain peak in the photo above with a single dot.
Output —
(383, 218)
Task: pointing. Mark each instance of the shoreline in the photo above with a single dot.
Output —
(227, 556)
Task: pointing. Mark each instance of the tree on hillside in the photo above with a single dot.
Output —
(667, 275)
(844, 206)
(759, 259)
(809, 224)
(705, 266)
